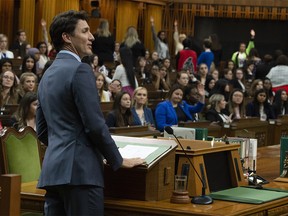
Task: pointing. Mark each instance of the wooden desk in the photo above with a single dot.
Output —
(134, 131)
(267, 167)
(252, 128)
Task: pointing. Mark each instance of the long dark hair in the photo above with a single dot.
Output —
(24, 108)
(24, 68)
(122, 119)
(278, 104)
(127, 61)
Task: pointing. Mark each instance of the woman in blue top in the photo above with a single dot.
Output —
(142, 115)
(174, 109)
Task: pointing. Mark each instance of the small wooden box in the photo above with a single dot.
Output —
(155, 182)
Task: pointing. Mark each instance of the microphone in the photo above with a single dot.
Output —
(203, 199)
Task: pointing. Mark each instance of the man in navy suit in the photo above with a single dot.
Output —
(71, 124)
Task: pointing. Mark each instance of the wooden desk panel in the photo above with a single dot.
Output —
(267, 167)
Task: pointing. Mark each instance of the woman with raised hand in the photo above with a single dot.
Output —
(160, 42)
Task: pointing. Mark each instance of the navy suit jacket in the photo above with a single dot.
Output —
(70, 122)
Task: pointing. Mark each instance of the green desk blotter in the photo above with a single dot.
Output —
(248, 195)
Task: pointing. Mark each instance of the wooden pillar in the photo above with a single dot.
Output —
(61, 6)
(127, 15)
(26, 19)
(6, 18)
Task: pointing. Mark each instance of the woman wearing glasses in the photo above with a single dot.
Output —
(8, 88)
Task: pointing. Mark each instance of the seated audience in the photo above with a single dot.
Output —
(28, 64)
(28, 83)
(174, 109)
(142, 115)
(280, 104)
(114, 87)
(239, 81)
(5, 65)
(236, 104)
(202, 73)
(121, 115)
(217, 111)
(182, 79)
(256, 85)
(209, 85)
(4, 52)
(267, 85)
(215, 74)
(8, 89)
(141, 71)
(160, 78)
(260, 107)
(26, 113)
(221, 87)
(227, 75)
(100, 84)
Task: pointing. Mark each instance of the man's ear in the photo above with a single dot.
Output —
(66, 37)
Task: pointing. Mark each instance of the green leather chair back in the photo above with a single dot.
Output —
(20, 152)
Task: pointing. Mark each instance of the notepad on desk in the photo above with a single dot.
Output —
(248, 195)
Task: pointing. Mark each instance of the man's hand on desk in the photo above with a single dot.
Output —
(131, 162)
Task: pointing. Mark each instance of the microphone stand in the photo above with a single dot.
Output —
(203, 199)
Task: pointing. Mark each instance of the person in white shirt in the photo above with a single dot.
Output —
(4, 52)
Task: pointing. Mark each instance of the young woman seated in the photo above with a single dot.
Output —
(100, 83)
(121, 115)
(28, 83)
(260, 107)
(8, 88)
(217, 111)
(174, 109)
(26, 112)
(236, 104)
(142, 115)
(114, 87)
(160, 78)
(280, 103)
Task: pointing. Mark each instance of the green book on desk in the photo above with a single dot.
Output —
(283, 149)
(201, 133)
(248, 195)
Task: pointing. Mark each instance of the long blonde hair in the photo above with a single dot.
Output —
(103, 29)
(131, 37)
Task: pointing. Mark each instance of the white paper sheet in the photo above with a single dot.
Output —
(132, 151)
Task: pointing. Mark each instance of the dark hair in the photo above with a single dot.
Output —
(187, 43)
(24, 68)
(127, 61)
(41, 43)
(158, 35)
(207, 43)
(65, 23)
(282, 60)
(278, 104)
(24, 108)
(219, 88)
(122, 119)
(259, 91)
(3, 61)
(174, 88)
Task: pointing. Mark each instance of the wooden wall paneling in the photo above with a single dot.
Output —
(6, 19)
(61, 6)
(27, 19)
(156, 12)
(127, 15)
(42, 11)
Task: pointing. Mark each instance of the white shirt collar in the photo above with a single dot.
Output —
(71, 53)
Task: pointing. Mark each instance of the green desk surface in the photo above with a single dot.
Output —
(248, 195)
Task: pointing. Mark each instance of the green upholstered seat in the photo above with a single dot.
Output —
(20, 154)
